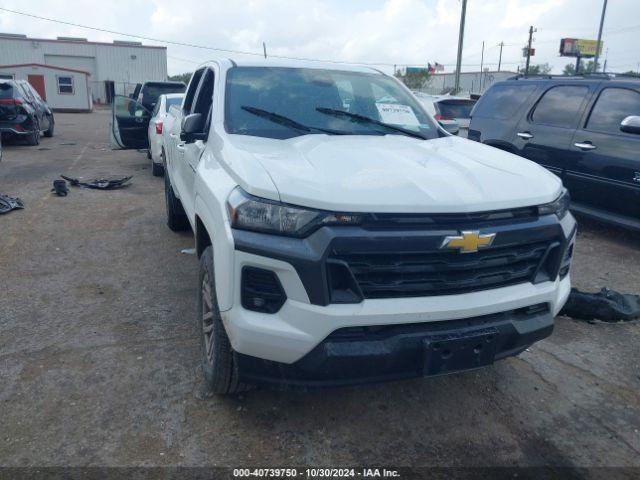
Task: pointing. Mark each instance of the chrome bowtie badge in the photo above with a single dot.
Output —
(468, 241)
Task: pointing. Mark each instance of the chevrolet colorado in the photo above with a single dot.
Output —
(344, 237)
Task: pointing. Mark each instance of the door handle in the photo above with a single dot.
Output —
(585, 145)
(525, 135)
(180, 146)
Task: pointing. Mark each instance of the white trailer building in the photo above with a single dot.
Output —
(113, 68)
(64, 89)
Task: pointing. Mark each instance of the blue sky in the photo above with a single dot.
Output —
(377, 31)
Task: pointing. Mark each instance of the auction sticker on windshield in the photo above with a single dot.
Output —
(397, 114)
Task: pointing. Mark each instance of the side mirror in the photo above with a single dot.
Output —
(193, 128)
(451, 126)
(631, 124)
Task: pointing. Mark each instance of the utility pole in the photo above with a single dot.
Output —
(460, 40)
(526, 68)
(481, 64)
(595, 60)
(500, 58)
(264, 48)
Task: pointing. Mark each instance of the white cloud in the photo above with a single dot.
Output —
(385, 31)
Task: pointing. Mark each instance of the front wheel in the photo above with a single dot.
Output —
(218, 364)
(34, 137)
(49, 131)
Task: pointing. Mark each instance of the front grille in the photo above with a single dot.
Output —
(392, 274)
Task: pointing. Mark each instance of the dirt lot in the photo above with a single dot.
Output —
(99, 356)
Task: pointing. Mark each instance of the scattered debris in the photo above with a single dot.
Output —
(188, 251)
(606, 305)
(99, 183)
(60, 188)
(44, 148)
(67, 143)
(8, 203)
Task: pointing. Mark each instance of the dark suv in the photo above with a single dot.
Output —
(585, 129)
(23, 113)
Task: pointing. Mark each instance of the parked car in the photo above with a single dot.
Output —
(148, 93)
(160, 119)
(342, 244)
(586, 130)
(448, 109)
(131, 115)
(23, 113)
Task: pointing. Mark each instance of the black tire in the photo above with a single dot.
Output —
(218, 362)
(34, 137)
(157, 169)
(49, 131)
(176, 218)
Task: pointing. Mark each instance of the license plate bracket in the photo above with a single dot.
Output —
(450, 353)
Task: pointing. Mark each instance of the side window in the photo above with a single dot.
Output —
(204, 97)
(191, 91)
(560, 106)
(613, 106)
(503, 101)
(65, 85)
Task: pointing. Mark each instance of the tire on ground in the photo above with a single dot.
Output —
(219, 367)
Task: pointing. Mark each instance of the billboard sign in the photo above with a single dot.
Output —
(578, 47)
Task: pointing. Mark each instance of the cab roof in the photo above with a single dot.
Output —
(289, 63)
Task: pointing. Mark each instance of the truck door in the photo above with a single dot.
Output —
(129, 124)
(605, 173)
(544, 134)
(193, 150)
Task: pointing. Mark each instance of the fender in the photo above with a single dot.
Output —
(210, 212)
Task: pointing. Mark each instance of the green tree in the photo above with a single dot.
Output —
(182, 77)
(585, 67)
(413, 80)
(542, 69)
(631, 73)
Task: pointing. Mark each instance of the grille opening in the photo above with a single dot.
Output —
(342, 286)
(261, 290)
(397, 274)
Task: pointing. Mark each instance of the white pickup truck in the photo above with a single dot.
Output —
(345, 237)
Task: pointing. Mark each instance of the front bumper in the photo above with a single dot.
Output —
(370, 354)
(303, 342)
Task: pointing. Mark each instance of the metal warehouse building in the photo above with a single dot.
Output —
(112, 68)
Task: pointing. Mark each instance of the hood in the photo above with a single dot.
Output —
(391, 173)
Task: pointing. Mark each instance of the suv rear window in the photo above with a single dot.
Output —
(152, 91)
(560, 106)
(6, 90)
(503, 101)
(455, 108)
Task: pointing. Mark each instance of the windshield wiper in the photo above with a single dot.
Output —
(288, 122)
(371, 121)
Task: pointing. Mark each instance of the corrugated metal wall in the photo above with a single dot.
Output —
(125, 65)
(470, 82)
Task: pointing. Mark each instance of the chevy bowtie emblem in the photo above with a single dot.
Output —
(469, 241)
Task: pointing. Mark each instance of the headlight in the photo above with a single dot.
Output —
(259, 214)
(559, 206)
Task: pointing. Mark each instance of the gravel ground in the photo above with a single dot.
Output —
(99, 355)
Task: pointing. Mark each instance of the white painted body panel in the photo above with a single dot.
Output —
(391, 173)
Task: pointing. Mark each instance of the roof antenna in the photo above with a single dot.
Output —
(264, 48)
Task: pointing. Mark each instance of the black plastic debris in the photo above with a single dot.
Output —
(8, 203)
(606, 305)
(99, 183)
(60, 188)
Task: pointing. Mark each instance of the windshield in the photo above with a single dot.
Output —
(456, 108)
(171, 101)
(304, 95)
